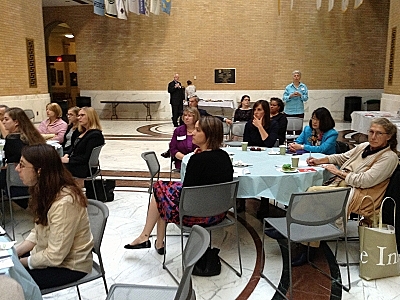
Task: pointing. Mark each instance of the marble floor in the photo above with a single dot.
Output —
(125, 141)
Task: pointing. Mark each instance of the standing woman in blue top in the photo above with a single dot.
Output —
(294, 96)
(260, 131)
(319, 136)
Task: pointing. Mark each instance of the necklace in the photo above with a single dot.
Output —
(189, 132)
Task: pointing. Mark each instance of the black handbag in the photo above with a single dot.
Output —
(109, 186)
(209, 264)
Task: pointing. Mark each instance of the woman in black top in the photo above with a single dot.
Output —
(244, 111)
(209, 165)
(260, 131)
(277, 115)
(72, 130)
(89, 138)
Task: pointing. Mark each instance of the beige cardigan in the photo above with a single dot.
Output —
(66, 241)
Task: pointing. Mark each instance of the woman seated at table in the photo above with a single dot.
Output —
(260, 131)
(319, 136)
(181, 142)
(90, 137)
(59, 248)
(244, 112)
(21, 132)
(366, 168)
(53, 128)
(72, 131)
(209, 165)
(276, 107)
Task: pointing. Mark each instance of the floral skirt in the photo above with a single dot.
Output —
(167, 194)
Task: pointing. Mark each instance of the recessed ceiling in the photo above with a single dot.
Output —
(66, 2)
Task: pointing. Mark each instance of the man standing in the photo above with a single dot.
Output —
(177, 95)
(294, 96)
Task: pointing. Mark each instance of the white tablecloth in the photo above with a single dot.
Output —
(361, 121)
(264, 180)
(18, 272)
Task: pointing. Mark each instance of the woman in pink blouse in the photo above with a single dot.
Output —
(53, 128)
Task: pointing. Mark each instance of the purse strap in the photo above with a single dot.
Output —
(394, 213)
(373, 205)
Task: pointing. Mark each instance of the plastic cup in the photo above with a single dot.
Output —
(282, 149)
(244, 146)
(295, 161)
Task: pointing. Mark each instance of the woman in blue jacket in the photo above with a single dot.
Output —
(319, 136)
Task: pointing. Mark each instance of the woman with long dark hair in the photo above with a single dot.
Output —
(260, 131)
(59, 248)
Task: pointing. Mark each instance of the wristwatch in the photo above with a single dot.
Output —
(302, 147)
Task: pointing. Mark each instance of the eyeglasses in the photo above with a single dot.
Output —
(377, 133)
(70, 115)
(81, 115)
(22, 166)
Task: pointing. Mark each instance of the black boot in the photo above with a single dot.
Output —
(166, 154)
(301, 258)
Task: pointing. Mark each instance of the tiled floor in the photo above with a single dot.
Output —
(125, 141)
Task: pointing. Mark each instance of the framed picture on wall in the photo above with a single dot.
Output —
(225, 76)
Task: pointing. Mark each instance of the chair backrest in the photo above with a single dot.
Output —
(207, 200)
(317, 208)
(196, 246)
(94, 157)
(226, 128)
(294, 124)
(151, 160)
(12, 177)
(98, 214)
(238, 128)
(341, 147)
(30, 114)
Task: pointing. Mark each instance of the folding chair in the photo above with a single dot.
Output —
(237, 129)
(151, 160)
(204, 201)
(294, 124)
(311, 217)
(15, 186)
(94, 164)
(98, 214)
(196, 246)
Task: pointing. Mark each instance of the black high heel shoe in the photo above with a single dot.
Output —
(146, 244)
(161, 250)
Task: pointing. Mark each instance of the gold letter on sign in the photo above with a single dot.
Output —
(30, 52)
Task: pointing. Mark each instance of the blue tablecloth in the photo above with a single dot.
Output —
(265, 180)
(18, 272)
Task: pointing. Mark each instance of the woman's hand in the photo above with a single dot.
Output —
(333, 169)
(24, 261)
(293, 147)
(258, 122)
(65, 159)
(311, 161)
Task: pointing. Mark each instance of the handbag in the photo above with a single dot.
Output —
(109, 186)
(209, 264)
(378, 249)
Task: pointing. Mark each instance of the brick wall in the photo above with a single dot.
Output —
(334, 50)
(394, 21)
(23, 19)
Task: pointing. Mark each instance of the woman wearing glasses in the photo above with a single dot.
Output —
(72, 131)
(366, 168)
(58, 249)
(90, 137)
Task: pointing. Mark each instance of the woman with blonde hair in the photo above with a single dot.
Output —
(53, 128)
(181, 141)
(90, 137)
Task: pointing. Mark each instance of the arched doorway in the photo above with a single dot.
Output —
(61, 65)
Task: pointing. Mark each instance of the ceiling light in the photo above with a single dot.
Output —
(69, 35)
